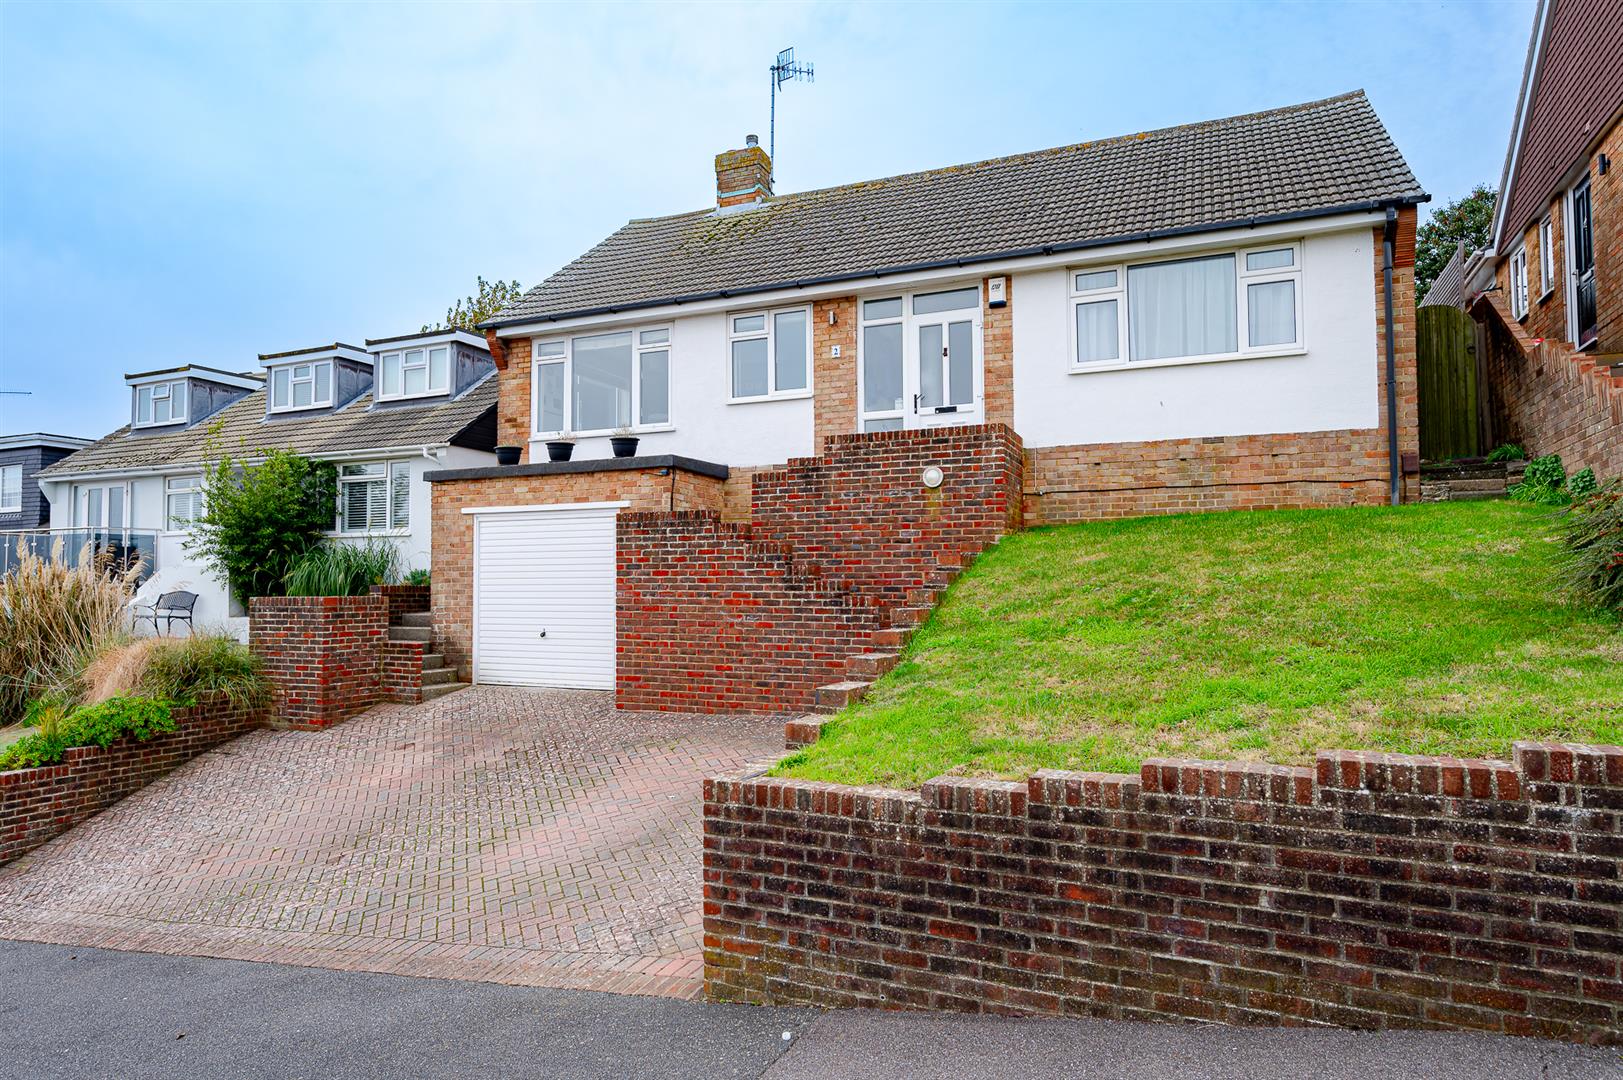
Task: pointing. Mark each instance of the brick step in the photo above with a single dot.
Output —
(836, 696)
(410, 633)
(438, 676)
(1496, 483)
(1459, 496)
(892, 637)
(417, 618)
(870, 665)
(909, 617)
(925, 595)
(441, 689)
(1462, 474)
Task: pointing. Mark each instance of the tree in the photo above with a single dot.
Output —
(1469, 219)
(258, 519)
(491, 297)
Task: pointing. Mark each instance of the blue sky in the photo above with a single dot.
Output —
(199, 184)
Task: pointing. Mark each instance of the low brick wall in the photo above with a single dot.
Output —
(1371, 891)
(711, 620)
(37, 804)
(404, 599)
(321, 654)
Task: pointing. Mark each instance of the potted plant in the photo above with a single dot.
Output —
(561, 448)
(508, 455)
(624, 443)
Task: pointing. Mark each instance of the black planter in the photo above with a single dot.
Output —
(508, 455)
(559, 451)
(624, 445)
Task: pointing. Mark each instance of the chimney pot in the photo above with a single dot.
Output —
(752, 140)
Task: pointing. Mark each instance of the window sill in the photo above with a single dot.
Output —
(602, 433)
(792, 395)
(1183, 361)
(383, 400)
(1548, 293)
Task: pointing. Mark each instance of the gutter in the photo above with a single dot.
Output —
(1394, 470)
(427, 450)
(962, 261)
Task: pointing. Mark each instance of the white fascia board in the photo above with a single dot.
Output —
(52, 442)
(358, 356)
(1113, 253)
(174, 468)
(433, 337)
(1524, 109)
(225, 378)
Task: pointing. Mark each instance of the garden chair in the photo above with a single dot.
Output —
(172, 607)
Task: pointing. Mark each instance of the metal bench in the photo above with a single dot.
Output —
(172, 607)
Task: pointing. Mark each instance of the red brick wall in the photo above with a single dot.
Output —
(400, 670)
(712, 620)
(404, 599)
(320, 653)
(37, 804)
(1372, 891)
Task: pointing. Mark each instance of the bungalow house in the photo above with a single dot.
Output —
(1548, 291)
(385, 414)
(839, 395)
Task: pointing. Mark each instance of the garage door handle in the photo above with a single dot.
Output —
(543, 633)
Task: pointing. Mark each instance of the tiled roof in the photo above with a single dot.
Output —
(242, 428)
(1318, 157)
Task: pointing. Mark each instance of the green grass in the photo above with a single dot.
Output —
(1257, 636)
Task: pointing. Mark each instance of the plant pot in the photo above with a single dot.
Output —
(559, 451)
(624, 445)
(508, 455)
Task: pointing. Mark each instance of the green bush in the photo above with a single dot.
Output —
(1582, 484)
(184, 669)
(1593, 538)
(1507, 452)
(258, 520)
(337, 568)
(137, 718)
(1544, 482)
(418, 576)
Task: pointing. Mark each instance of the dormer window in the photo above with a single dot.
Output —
(413, 373)
(160, 403)
(301, 386)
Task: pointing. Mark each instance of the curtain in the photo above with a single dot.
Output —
(1272, 313)
(1097, 332)
(1183, 308)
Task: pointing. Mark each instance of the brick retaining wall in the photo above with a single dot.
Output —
(1371, 891)
(404, 599)
(321, 654)
(37, 804)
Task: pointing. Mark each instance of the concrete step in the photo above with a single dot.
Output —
(440, 690)
(870, 665)
(417, 618)
(838, 695)
(410, 633)
(438, 676)
(433, 661)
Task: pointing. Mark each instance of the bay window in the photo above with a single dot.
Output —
(301, 386)
(160, 403)
(1216, 306)
(183, 501)
(769, 353)
(412, 373)
(374, 496)
(594, 384)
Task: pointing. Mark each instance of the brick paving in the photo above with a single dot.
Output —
(529, 837)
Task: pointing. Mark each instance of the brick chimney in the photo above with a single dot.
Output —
(743, 177)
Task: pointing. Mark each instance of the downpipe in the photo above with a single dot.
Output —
(1393, 466)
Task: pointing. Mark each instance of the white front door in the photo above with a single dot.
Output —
(919, 360)
(544, 596)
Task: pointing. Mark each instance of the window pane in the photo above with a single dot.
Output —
(115, 508)
(1095, 279)
(399, 494)
(653, 337)
(789, 339)
(930, 389)
(749, 368)
(551, 392)
(391, 375)
(1272, 307)
(882, 309)
(301, 392)
(656, 387)
(961, 363)
(11, 486)
(889, 423)
(952, 300)
(93, 516)
(143, 405)
(1268, 260)
(749, 324)
(372, 469)
(882, 367)
(1098, 334)
(602, 382)
(279, 396)
(416, 380)
(550, 348)
(1183, 308)
(439, 361)
(302, 371)
(324, 383)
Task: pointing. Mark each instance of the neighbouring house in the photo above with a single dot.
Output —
(1549, 290)
(23, 510)
(839, 395)
(385, 414)
(1449, 288)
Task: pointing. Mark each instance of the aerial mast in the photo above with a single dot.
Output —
(784, 70)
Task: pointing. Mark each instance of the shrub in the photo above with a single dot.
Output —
(1582, 484)
(1543, 483)
(1593, 537)
(116, 669)
(53, 618)
(339, 569)
(183, 670)
(418, 576)
(1507, 452)
(116, 718)
(258, 520)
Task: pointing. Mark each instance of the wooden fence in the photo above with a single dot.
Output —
(1450, 406)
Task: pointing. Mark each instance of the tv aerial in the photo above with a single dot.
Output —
(785, 69)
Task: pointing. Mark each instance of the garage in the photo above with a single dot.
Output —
(544, 595)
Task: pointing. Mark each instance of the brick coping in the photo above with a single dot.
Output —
(563, 468)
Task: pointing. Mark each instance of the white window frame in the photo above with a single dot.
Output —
(1517, 276)
(396, 471)
(427, 366)
(7, 507)
(1243, 278)
(188, 485)
(294, 379)
(1546, 257)
(770, 333)
(173, 390)
(566, 361)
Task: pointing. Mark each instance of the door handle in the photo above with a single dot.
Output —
(915, 404)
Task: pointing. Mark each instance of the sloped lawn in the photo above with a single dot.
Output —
(1257, 636)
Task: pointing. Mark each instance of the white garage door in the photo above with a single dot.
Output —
(543, 596)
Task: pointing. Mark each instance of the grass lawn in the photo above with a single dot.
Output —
(1258, 636)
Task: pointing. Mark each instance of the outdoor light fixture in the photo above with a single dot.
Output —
(932, 476)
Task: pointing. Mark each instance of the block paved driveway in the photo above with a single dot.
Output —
(530, 837)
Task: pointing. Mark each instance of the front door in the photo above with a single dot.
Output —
(919, 361)
(1586, 311)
